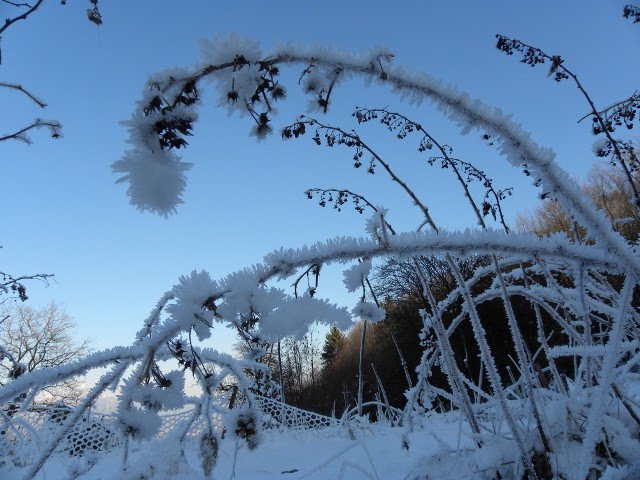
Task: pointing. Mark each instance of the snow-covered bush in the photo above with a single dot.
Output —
(540, 422)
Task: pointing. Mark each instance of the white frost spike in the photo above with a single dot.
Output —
(316, 80)
(139, 423)
(427, 318)
(369, 311)
(355, 275)
(156, 180)
(191, 293)
(294, 316)
(221, 49)
(156, 398)
(243, 424)
(242, 81)
(376, 225)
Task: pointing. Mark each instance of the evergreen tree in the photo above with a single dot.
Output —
(332, 343)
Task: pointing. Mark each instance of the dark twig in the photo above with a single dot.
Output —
(627, 102)
(20, 88)
(17, 4)
(340, 197)
(397, 121)
(533, 56)
(351, 139)
(54, 128)
(11, 284)
(10, 21)
(313, 269)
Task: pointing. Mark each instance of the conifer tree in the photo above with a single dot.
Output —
(332, 343)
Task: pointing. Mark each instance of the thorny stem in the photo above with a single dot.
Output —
(542, 338)
(594, 420)
(525, 364)
(519, 342)
(453, 370)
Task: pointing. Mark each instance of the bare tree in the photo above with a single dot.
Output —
(33, 339)
(609, 191)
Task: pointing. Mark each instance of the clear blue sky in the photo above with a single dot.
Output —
(63, 214)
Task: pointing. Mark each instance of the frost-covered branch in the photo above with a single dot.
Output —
(20, 88)
(244, 77)
(10, 284)
(53, 126)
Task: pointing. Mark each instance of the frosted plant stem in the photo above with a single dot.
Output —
(492, 371)
(360, 358)
(515, 331)
(235, 458)
(46, 452)
(606, 380)
(480, 379)
(125, 452)
(382, 390)
(588, 377)
(453, 373)
(446, 351)
(197, 412)
(543, 339)
(523, 359)
(403, 362)
(516, 144)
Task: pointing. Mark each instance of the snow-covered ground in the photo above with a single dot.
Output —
(376, 453)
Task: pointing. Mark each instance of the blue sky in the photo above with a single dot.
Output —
(63, 214)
